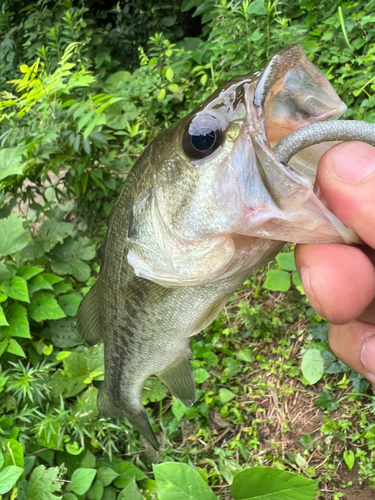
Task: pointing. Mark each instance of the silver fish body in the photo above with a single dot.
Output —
(207, 203)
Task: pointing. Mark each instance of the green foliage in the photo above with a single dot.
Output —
(88, 87)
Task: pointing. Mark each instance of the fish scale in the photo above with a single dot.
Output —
(206, 204)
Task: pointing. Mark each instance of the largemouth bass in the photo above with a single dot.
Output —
(206, 203)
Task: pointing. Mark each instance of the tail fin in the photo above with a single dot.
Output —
(134, 413)
(88, 317)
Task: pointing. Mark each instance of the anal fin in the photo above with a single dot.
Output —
(178, 377)
(88, 317)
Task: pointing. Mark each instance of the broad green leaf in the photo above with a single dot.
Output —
(349, 458)
(44, 483)
(88, 461)
(52, 278)
(173, 87)
(286, 261)
(298, 283)
(18, 322)
(8, 478)
(245, 354)
(82, 480)
(44, 306)
(119, 114)
(153, 390)
(13, 237)
(10, 162)
(39, 283)
(1, 460)
(107, 475)
(3, 320)
(68, 258)
(6, 272)
(178, 408)
(169, 74)
(64, 333)
(15, 348)
(312, 366)
(53, 232)
(14, 455)
(28, 272)
(264, 483)
(109, 493)
(225, 395)
(130, 492)
(257, 8)
(96, 491)
(69, 303)
(127, 470)
(73, 449)
(69, 496)
(16, 288)
(200, 375)
(277, 281)
(177, 481)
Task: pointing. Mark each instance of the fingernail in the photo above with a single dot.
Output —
(368, 355)
(353, 161)
(308, 285)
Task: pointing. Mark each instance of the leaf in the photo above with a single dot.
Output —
(44, 306)
(39, 283)
(245, 354)
(178, 408)
(15, 348)
(349, 459)
(15, 452)
(18, 322)
(68, 258)
(69, 303)
(200, 375)
(3, 320)
(96, 491)
(64, 333)
(10, 162)
(82, 480)
(154, 390)
(130, 492)
(257, 8)
(173, 87)
(28, 272)
(169, 74)
(9, 477)
(73, 449)
(13, 237)
(53, 232)
(1, 460)
(107, 475)
(225, 395)
(127, 470)
(16, 288)
(6, 272)
(177, 481)
(277, 281)
(43, 483)
(119, 114)
(326, 401)
(272, 484)
(312, 366)
(286, 261)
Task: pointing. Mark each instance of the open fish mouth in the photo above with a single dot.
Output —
(285, 99)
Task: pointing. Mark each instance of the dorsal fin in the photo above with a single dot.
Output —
(88, 316)
(178, 377)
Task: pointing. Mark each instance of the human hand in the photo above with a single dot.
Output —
(339, 280)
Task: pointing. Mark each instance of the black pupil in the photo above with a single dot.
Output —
(203, 139)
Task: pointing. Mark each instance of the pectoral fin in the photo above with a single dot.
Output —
(88, 317)
(178, 377)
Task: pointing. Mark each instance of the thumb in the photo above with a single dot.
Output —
(346, 177)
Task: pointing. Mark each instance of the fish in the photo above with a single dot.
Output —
(206, 204)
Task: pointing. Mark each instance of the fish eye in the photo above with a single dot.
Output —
(201, 142)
